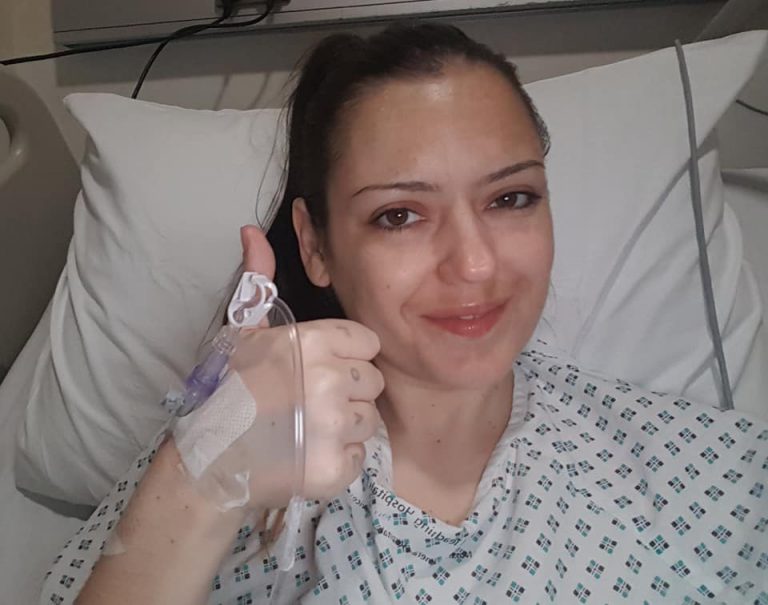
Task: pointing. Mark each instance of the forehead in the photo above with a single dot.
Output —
(454, 124)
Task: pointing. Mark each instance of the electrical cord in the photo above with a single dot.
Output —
(118, 45)
(191, 30)
(177, 35)
(161, 41)
(746, 105)
(698, 216)
(80, 51)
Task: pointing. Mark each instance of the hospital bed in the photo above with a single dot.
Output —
(39, 182)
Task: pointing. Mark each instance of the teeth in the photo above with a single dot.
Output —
(468, 316)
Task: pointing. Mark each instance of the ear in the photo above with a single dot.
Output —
(309, 245)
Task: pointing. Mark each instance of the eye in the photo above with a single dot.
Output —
(515, 200)
(396, 218)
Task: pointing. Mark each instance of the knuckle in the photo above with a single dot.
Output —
(375, 416)
(325, 417)
(308, 336)
(333, 421)
(361, 332)
(333, 468)
(322, 378)
(369, 426)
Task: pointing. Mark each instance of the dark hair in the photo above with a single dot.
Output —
(333, 75)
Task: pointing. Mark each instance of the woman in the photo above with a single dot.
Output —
(414, 242)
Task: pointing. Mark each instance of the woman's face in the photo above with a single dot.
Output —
(439, 234)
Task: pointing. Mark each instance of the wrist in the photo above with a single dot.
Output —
(168, 498)
(169, 536)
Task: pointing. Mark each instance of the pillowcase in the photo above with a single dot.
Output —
(153, 255)
(746, 193)
(165, 189)
(627, 295)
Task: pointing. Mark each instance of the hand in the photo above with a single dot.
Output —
(340, 387)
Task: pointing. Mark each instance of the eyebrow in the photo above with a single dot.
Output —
(510, 170)
(421, 186)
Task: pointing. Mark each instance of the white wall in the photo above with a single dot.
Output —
(252, 70)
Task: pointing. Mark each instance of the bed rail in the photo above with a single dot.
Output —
(39, 181)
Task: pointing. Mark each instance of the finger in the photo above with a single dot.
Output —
(331, 467)
(364, 420)
(363, 381)
(258, 256)
(355, 454)
(343, 338)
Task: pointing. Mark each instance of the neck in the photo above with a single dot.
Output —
(413, 409)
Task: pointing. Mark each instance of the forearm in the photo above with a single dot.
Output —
(168, 544)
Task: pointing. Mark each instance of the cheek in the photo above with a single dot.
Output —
(541, 248)
(528, 264)
(375, 281)
(544, 257)
(527, 287)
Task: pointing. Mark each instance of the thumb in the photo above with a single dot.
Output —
(257, 253)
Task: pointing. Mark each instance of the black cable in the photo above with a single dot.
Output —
(184, 32)
(80, 51)
(216, 24)
(270, 6)
(762, 112)
(191, 30)
(726, 402)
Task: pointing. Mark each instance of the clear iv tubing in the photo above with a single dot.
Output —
(203, 381)
(293, 513)
(206, 376)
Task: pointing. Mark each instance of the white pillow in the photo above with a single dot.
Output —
(627, 297)
(165, 189)
(746, 192)
(154, 251)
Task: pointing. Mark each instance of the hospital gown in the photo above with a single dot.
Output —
(598, 492)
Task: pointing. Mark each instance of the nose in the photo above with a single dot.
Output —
(469, 255)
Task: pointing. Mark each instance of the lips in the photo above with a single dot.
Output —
(468, 321)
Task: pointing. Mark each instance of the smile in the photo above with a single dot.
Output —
(473, 321)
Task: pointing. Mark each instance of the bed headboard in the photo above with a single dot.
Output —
(39, 181)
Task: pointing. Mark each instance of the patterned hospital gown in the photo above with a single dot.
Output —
(598, 492)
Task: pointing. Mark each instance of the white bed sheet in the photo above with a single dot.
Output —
(30, 534)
